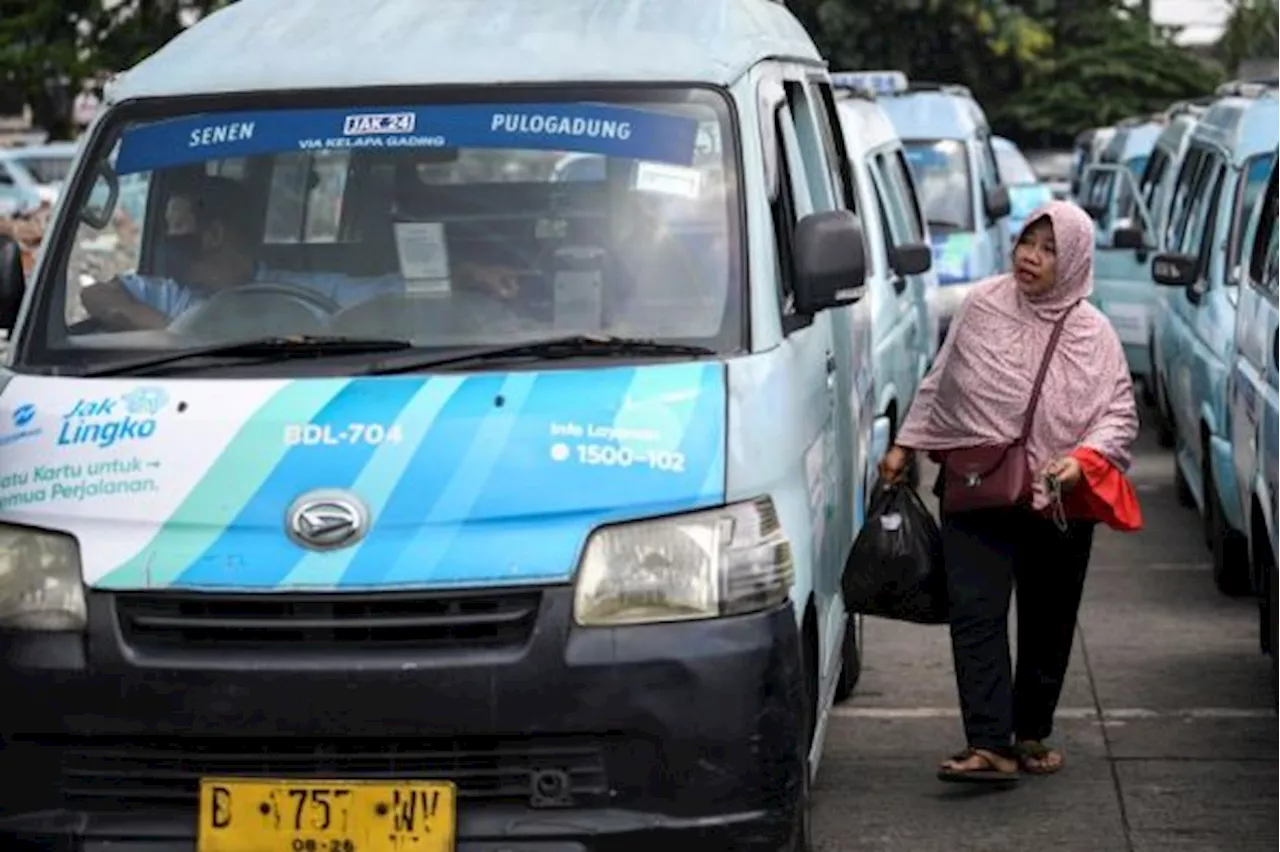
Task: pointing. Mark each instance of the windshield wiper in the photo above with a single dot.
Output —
(266, 348)
(557, 347)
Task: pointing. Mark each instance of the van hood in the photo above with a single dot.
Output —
(406, 482)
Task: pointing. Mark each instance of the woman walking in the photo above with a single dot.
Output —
(1030, 397)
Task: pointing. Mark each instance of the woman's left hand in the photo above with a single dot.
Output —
(1066, 470)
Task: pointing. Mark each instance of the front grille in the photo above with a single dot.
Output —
(306, 623)
(122, 773)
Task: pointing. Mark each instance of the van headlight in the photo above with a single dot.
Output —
(40, 586)
(707, 564)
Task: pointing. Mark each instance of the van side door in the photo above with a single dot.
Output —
(896, 350)
(803, 188)
(1252, 389)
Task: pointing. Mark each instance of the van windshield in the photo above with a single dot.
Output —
(941, 169)
(444, 225)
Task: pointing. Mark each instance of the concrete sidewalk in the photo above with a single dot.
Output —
(1168, 719)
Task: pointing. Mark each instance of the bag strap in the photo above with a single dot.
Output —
(1029, 419)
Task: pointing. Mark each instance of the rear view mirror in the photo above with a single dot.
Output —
(102, 199)
(830, 261)
(12, 282)
(1128, 237)
(911, 258)
(1174, 270)
(996, 201)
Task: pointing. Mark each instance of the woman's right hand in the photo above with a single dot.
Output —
(894, 464)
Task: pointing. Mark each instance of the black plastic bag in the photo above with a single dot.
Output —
(895, 569)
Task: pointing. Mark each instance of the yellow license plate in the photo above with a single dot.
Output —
(261, 815)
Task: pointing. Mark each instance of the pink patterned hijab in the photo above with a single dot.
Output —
(980, 384)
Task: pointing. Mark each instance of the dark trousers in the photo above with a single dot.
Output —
(986, 553)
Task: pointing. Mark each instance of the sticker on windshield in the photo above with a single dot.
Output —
(611, 131)
(424, 256)
(669, 180)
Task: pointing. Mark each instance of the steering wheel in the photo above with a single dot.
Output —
(226, 306)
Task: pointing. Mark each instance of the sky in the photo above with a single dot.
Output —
(1203, 19)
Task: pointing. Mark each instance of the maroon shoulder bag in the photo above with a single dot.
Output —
(996, 475)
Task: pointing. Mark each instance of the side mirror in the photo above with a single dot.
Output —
(830, 261)
(1128, 237)
(911, 258)
(1174, 270)
(996, 201)
(12, 282)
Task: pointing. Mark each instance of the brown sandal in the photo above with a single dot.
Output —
(1036, 758)
(988, 773)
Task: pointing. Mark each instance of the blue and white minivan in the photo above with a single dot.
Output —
(948, 145)
(1149, 222)
(1226, 167)
(1253, 408)
(1121, 290)
(392, 494)
(900, 280)
(1027, 191)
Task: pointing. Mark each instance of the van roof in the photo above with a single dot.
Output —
(1131, 140)
(1245, 126)
(339, 44)
(868, 124)
(934, 114)
(1178, 130)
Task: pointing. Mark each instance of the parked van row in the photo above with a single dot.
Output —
(487, 453)
(1185, 281)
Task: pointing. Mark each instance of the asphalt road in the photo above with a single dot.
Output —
(1168, 718)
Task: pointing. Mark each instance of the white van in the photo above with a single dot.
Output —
(379, 487)
(900, 279)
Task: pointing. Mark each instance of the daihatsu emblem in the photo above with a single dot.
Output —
(327, 520)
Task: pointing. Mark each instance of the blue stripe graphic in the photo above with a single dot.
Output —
(253, 551)
(456, 503)
(433, 462)
(379, 478)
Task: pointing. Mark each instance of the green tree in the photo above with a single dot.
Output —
(47, 47)
(1250, 33)
(1112, 65)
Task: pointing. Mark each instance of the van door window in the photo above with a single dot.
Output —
(1263, 258)
(1197, 237)
(1188, 174)
(905, 178)
(833, 144)
(1253, 177)
(1152, 177)
(813, 159)
(988, 173)
(1265, 253)
(898, 183)
(792, 202)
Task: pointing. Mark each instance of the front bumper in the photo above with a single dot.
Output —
(689, 731)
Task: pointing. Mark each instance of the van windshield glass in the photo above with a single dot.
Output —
(443, 225)
(941, 170)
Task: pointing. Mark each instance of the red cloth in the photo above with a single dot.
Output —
(1103, 494)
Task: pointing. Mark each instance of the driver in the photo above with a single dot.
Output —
(206, 223)
(222, 258)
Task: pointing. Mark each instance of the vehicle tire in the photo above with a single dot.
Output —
(801, 830)
(1230, 549)
(1274, 631)
(1166, 437)
(1265, 612)
(851, 652)
(1186, 499)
